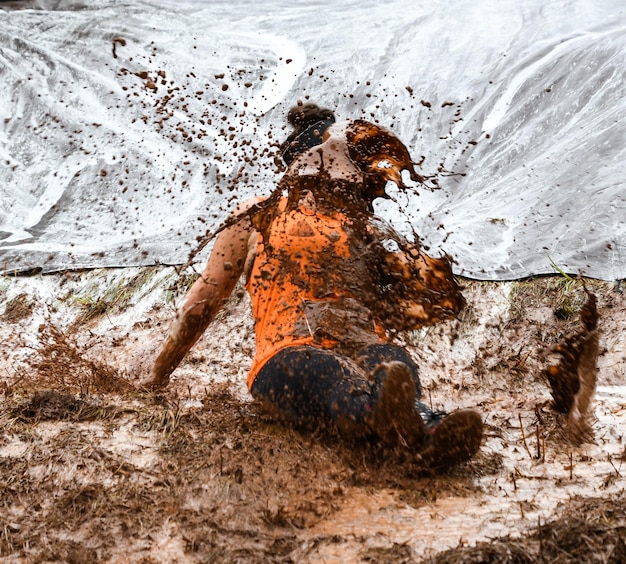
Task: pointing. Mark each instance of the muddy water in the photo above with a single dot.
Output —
(507, 490)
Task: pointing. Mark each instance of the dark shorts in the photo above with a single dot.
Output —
(312, 386)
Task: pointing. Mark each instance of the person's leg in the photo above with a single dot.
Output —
(454, 439)
(372, 356)
(311, 386)
(394, 417)
(448, 439)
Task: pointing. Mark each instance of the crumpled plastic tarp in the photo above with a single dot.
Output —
(130, 129)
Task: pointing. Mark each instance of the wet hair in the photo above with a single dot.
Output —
(302, 116)
(309, 122)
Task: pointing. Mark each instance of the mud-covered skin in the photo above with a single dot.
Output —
(233, 251)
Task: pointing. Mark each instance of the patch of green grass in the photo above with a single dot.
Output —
(91, 307)
(97, 301)
(524, 294)
(561, 293)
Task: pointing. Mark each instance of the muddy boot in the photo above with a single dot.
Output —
(452, 440)
(394, 417)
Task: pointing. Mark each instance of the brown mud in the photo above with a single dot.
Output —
(92, 470)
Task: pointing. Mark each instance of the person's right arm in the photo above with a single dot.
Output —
(206, 297)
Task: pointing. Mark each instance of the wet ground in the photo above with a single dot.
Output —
(94, 470)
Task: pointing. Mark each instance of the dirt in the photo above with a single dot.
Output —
(94, 470)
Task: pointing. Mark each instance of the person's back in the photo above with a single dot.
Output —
(312, 282)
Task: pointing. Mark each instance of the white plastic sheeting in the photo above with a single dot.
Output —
(130, 128)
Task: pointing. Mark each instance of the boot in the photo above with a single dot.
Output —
(452, 440)
(394, 417)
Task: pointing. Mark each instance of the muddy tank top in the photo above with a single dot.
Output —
(302, 287)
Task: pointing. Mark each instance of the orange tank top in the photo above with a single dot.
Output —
(297, 289)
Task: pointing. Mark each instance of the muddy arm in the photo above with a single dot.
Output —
(206, 297)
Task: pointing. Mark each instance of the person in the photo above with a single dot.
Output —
(331, 287)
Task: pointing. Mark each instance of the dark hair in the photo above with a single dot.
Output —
(303, 115)
(309, 122)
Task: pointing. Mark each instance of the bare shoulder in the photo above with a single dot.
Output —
(244, 206)
(251, 233)
(235, 245)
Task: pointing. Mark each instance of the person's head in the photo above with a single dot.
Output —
(353, 163)
(302, 116)
(357, 149)
(309, 122)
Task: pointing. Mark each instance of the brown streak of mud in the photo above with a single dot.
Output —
(61, 364)
(92, 470)
(586, 530)
(16, 309)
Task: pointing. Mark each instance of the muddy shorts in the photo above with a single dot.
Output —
(312, 386)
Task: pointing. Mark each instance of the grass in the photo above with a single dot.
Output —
(180, 286)
(18, 308)
(563, 294)
(587, 530)
(60, 363)
(96, 301)
(164, 419)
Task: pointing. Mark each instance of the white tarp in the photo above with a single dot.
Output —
(130, 128)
